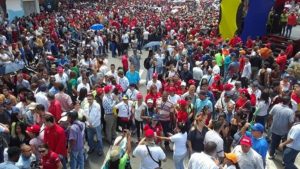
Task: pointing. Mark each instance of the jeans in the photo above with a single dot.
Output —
(276, 139)
(289, 156)
(77, 159)
(63, 161)
(289, 30)
(166, 125)
(178, 161)
(90, 135)
(139, 128)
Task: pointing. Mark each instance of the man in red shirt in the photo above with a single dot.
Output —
(55, 137)
(292, 21)
(50, 159)
(54, 107)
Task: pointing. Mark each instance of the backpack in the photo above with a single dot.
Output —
(147, 64)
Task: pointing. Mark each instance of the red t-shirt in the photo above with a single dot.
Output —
(55, 137)
(157, 130)
(55, 110)
(50, 161)
(182, 116)
(125, 62)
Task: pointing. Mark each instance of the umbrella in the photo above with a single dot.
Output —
(152, 44)
(97, 27)
(11, 67)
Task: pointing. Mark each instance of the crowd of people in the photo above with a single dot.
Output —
(220, 103)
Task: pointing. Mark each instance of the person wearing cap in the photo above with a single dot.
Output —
(76, 140)
(296, 95)
(203, 101)
(108, 103)
(118, 160)
(50, 159)
(204, 159)
(55, 137)
(138, 109)
(35, 141)
(153, 94)
(231, 161)
(155, 82)
(173, 97)
(148, 152)
(132, 92)
(281, 118)
(133, 76)
(122, 80)
(292, 144)
(61, 76)
(124, 112)
(197, 72)
(247, 156)
(94, 125)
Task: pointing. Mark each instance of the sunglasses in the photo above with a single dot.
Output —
(42, 151)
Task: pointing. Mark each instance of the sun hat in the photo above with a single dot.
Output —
(232, 157)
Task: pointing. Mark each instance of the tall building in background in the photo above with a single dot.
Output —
(19, 8)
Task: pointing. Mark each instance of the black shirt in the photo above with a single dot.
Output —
(197, 139)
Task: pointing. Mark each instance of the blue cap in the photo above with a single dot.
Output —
(15, 109)
(258, 127)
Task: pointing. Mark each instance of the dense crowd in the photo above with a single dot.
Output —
(221, 103)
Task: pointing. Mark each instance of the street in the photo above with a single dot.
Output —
(95, 162)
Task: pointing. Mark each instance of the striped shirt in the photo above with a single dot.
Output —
(108, 104)
(164, 109)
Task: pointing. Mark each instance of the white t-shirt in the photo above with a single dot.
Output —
(146, 35)
(146, 161)
(81, 85)
(229, 167)
(201, 161)
(179, 141)
(125, 38)
(124, 109)
(197, 73)
(61, 79)
(173, 99)
(216, 70)
(158, 84)
(138, 110)
(213, 136)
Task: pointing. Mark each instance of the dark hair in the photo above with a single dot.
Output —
(113, 164)
(217, 125)
(210, 147)
(73, 115)
(82, 94)
(61, 87)
(265, 96)
(30, 97)
(286, 100)
(40, 107)
(49, 119)
(44, 145)
(13, 152)
(182, 127)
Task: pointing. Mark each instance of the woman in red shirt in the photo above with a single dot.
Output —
(153, 94)
(156, 127)
(50, 160)
(217, 86)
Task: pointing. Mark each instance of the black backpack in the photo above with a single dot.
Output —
(147, 63)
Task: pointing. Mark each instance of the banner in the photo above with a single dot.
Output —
(227, 26)
(255, 23)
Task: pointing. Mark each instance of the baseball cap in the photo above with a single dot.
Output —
(246, 141)
(182, 102)
(232, 157)
(149, 101)
(107, 89)
(60, 70)
(99, 91)
(32, 106)
(149, 133)
(33, 129)
(155, 75)
(139, 96)
(183, 83)
(125, 97)
(258, 127)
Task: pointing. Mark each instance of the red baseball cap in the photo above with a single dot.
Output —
(99, 91)
(60, 70)
(246, 141)
(33, 129)
(139, 96)
(182, 102)
(107, 89)
(155, 75)
(228, 87)
(149, 133)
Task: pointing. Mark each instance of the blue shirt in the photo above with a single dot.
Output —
(133, 78)
(8, 164)
(201, 103)
(24, 163)
(259, 145)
